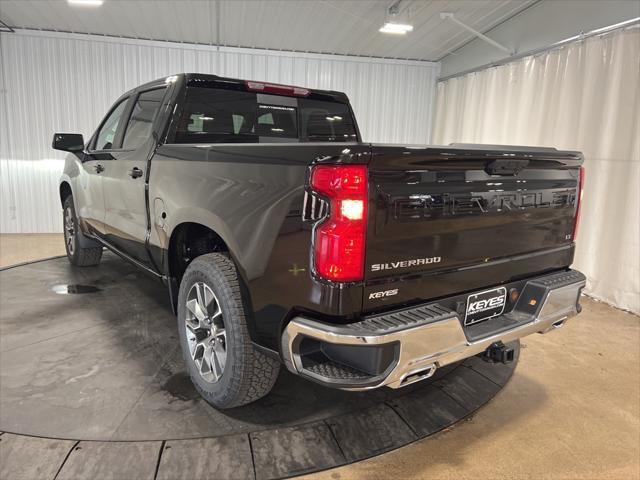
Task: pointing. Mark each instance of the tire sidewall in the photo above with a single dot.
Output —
(222, 391)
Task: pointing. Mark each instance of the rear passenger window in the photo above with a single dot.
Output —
(142, 117)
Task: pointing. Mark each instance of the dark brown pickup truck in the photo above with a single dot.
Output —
(284, 239)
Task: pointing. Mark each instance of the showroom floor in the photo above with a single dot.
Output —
(572, 409)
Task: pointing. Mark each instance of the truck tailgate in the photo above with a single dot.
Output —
(447, 220)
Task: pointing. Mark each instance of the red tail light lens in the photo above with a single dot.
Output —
(339, 244)
(276, 88)
(578, 203)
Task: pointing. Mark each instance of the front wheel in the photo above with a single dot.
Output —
(81, 250)
(225, 367)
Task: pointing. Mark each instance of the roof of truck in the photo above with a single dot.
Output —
(210, 80)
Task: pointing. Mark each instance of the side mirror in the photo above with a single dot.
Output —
(68, 142)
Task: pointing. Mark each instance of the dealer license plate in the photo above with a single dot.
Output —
(484, 305)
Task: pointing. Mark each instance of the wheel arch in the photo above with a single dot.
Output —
(189, 240)
(64, 190)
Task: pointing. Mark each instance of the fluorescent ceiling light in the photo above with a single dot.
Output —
(88, 3)
(396, 28)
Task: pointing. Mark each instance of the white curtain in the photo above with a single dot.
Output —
(583, 96)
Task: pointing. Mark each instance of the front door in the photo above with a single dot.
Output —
(90, 202)
(125, 179)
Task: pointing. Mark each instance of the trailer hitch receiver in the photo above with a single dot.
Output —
(498, 353)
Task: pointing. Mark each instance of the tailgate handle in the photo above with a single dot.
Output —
(505, 166)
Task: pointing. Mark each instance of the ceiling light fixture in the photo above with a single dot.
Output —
(396, 28)
(86, 3)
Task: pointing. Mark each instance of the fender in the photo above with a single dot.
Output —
(85, 240)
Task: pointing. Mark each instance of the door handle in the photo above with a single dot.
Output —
(98, 168)
(135, 172)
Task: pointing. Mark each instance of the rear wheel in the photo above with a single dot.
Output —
(225, 367)
(80, 250)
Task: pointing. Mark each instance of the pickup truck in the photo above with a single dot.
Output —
(284, 239)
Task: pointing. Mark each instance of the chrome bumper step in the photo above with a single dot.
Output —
(408, 345)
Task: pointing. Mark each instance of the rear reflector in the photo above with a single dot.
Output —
(578, 203)
(339, 243)
(276, 89)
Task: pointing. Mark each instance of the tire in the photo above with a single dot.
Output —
(225, 367)
(80, 249)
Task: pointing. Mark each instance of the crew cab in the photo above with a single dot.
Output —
(284, 239)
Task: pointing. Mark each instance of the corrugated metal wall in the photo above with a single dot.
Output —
(66, 83)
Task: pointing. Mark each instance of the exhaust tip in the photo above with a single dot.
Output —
(418, 375)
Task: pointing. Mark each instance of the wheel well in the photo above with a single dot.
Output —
(188, 241)
(65, 191)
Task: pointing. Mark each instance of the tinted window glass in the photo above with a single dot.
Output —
(326, 121)
(143, 114)
(277, 121)
(228, 116)
(107, 134)
(217, 116)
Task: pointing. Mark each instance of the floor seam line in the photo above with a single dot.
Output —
(253, 460)
(452, 398)
(470, 367)
(144, 390)
(386, 402)
(49, 338)
(162, 445)
(65, 459)
(335, 439)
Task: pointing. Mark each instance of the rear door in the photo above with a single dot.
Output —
(449, 220)
(126, 219)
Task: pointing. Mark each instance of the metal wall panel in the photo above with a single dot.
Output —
(55, 82)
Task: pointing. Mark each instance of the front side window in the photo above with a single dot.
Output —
(142, 117)
(212, 115)
(107, 133)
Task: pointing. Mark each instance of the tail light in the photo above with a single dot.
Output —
(578, 203)
(276, 89)
(339, 242)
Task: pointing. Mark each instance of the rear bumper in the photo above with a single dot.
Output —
(405, 346)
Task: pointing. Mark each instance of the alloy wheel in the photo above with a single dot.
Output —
(69, 230)
(205, 332)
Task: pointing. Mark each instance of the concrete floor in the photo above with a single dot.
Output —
(24, 248)
(571, 411)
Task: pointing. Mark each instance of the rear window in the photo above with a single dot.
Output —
(326, 121)
(214, 115)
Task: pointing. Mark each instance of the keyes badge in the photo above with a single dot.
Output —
(483, 305)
